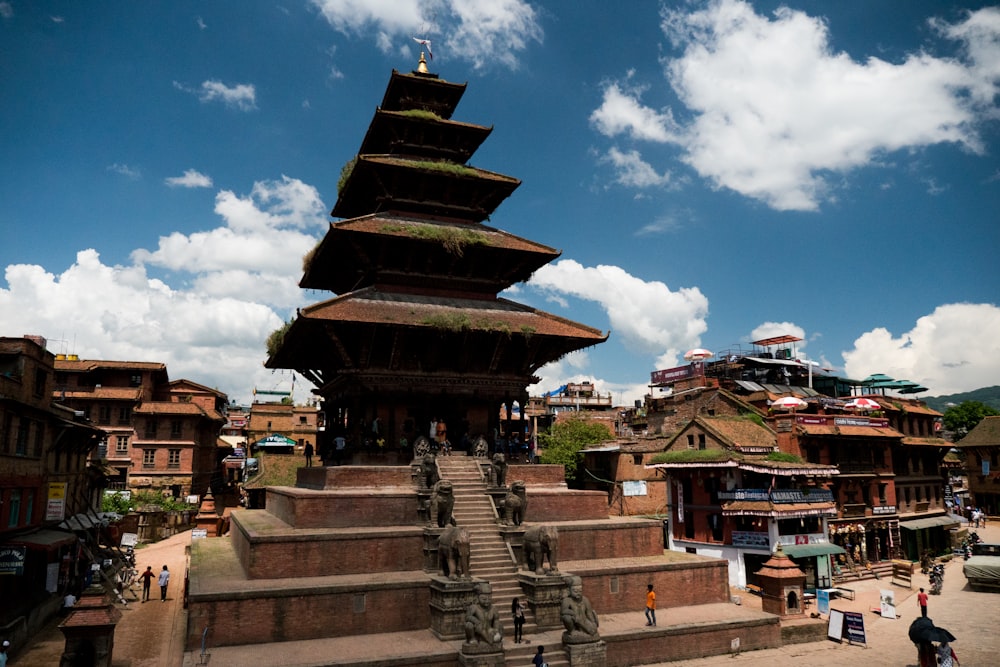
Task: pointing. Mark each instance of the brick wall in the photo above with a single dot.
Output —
(691, 642)
(309, 612)
(305, 508)
(537, 475)
(565, 505)
(617, 590)
(610, 539)
(335, 477)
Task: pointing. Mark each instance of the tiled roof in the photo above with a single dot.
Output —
(765, 466)
(373, 306)
(118, 393)
(925, 442)
(392, 225)
(986, 433)
(853, 431)
(740, 433)
(176, 408)
(91, 364)
(767, 508)
(904, 405)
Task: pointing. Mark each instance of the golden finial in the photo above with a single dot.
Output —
(422, 65)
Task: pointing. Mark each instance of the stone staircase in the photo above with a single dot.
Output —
(490, 558)
(881, 570)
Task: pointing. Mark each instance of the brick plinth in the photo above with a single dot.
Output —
(309, 508)
(616, 587)
(592, 654)
(544, 594)
(342, 477)
(688, 642)
(449, 601)
(495, 659)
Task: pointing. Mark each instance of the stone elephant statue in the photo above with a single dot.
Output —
(515, 504)
(443, 503)
(541, 542)
(453, 553)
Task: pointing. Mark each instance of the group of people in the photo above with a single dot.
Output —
(163, 579)
(975, 516)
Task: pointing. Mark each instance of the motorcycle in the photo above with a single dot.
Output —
(937, 579)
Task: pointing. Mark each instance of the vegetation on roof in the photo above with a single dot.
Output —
(696, 456)
(462, 322)
(783, 457)
(345, 173)
(307, 259)
(420, 113)
(277, 338)
(752, 416)
(275, 470)
(454, 239)
(446, 167)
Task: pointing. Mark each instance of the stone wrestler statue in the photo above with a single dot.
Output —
(578, 616)
(482, 622)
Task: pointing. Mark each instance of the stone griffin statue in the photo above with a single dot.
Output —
(428, 471)
(499, 470)
(541, 542)
(443, 503)
(515, 503)
(453, 552)
(578, 616)
(483, 630)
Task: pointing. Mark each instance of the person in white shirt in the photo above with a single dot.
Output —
(163, 580)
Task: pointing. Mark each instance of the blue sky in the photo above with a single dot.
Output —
(713, 173)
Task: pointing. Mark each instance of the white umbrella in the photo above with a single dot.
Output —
(789, 403)
(863, 404)
(698, 354)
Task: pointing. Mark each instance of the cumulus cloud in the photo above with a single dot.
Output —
(192, 178)
(952, 350)
(632, 170)
(131, 173)
(242, 96)
(6, 10)
(649, 317)
(482, 33)
(772, 110)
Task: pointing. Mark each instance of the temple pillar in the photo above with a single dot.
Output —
(450, 598)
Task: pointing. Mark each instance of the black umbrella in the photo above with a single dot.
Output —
(924, 630)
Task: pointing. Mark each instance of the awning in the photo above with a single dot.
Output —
(44, 539)
(808, 550)
(929, 522)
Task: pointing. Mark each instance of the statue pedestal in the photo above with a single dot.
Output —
(480, 655)
(449, 601)
(432, 562)
(90, 633)
(591, 654)
(544, 594)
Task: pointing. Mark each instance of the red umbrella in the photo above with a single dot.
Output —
(789, 403)
(863, 404)
(698, 354)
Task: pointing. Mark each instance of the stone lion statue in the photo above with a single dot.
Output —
(429, 471)
(541, 542)
(499, 470)
(515, 503)
(443, 503)
(453, 552)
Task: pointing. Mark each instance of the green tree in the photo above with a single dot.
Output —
(562, 444)
(962, 418)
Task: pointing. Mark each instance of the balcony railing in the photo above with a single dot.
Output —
(854, 510)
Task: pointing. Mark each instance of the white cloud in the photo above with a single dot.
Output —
(192, 178)
(115, 312)
(480, 31)
(6, 10)
(242, 96)
(131, 173)
(201, 23)
(648, 316)
(954, 349)
(633, 171)
(774, 111)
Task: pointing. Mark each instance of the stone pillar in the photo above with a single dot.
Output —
(591, 654)
(449, 601)
(432, 561)
(544, 594)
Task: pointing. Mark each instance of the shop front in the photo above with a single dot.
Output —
(932, 533)
(864, 541)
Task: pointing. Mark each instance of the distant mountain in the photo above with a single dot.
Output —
(987, 395)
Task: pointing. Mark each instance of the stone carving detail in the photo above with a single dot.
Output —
(541, 542)
(421, 446)
(515, 504)
(453, 552)
(480, 448)
(483, 630)
(499, 470)
(443, 503)
(578, 616)
(428, 471)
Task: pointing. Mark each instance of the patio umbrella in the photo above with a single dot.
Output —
(698, 354)
(913, 390)
(876, 377)
(863, 404)
(789, 403)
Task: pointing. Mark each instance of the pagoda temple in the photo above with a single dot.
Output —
(418, 332)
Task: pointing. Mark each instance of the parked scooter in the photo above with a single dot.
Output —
(937, 579)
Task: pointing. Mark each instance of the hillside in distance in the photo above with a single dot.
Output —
(987, 395)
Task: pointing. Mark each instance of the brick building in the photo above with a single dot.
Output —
(45, 479)
(298, 423)
(980, 450)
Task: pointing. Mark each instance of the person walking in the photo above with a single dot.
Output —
(922, 601)
(517, 611)
(946, 656)
(3, 653)
(164, 579)
(539, 659)
(147, 580)
(650, 606)
(309, 454)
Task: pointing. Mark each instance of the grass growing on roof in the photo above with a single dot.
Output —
(783, 457)
(696, 456)
(462, 322)
(420, 113)
(454, 239)
(277, 337)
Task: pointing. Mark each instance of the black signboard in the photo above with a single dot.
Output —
(12, 560)
(855, 624)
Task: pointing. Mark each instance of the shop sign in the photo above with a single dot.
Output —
(884, 509)
(671, 374)
(12, 560)
(806, 538)
(745, 538)
(55, 506)
(855, 623)
(680, 502)
(634, 487)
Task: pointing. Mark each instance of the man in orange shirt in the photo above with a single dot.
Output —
(922, 601)
(650, 606)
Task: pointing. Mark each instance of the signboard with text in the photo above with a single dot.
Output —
(746, 538)
(55, 505)
(12, 560)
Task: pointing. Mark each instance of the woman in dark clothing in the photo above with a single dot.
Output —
(517, 611)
